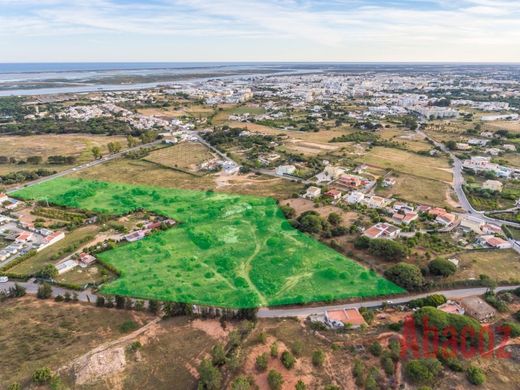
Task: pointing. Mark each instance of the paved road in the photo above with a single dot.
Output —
(306, 311)
(32, 288)
(79, 168)
(458, 182)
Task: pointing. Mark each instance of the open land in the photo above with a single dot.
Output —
(229, 250)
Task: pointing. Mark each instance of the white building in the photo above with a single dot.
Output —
(285, 170)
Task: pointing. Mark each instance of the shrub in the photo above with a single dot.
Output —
(434, 300)
(42, 376)
(14, 386)
(128, 326)
(218, 355)
(475, 375)
(48, 271)
(318, 357)
(288, 360)
(388, 365)
(44, 291)
(243, 382)
(297, 348)
(300, 385)
(210, 377)
(275, 380)
(375, 348)
(134, 346)
(422, 371)
(368, 315)
(274, 350)
(261, 362)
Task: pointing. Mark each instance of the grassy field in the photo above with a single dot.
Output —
(57, 251)
(186, 156)
(229, 250)
(36, 333)
(145, 173)
(500, 265)
(410, 163)
(418, 190)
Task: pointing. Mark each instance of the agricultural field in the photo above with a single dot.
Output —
(38, 334)
(227, 250)
(185, 156)
(410, 163)
(500, 265)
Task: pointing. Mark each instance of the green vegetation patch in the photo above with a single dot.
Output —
(227, 250)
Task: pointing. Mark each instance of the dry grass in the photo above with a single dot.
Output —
(419, 190)
(401, 161)
(501, 265)
(512, 126)
(143, 172)
(187, 156)
(36, 333)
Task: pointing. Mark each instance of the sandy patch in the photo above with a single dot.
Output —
(212, 328)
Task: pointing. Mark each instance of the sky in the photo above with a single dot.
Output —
(260, 30)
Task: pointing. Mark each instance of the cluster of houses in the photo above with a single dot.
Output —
(24, 237)
(484, 164)
(147, 229)
(339, 319)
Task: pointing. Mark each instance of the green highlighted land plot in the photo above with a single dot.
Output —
(227, 250)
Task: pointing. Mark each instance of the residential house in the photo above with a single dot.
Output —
(66, 266)
(355, 197)
(494, 242)
(344, 317)
(51, 240)
(312, 192)
(333, 172)
(446, 219)
(3, 198)
(135, 236)
(489, 228)
(285, 170)
(333, 194)
(405, 218)
(86, 259)
(24, 237)
(382, 230)
(452, 307)
(493, 185)
(375, 202)
(352, 181)
(388, 182)
(477, 308)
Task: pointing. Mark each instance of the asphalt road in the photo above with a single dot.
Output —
(32, 288)
(306, 311)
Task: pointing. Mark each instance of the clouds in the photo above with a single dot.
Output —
(335, 29)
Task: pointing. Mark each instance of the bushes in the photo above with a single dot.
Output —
(318, 357)
(495, 301)
(475, 376)
(386, 249)
(128, 326)
(275, 380)
(442, 267)
(42, 376)
(422, 371)
(408, 276)
(210, 377)
(261, 362)
(434, 300)
(48, 271)
(288, 360)
(44, 291)
(375, 349)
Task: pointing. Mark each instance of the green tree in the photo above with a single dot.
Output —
(210, 377)
(132, 141)
(310, 223)
(48, 271)
(300, 385)
(334, 219)
(274, 350)
(375, 348)
(96, 152)
(442, 267)
(242, 382)
(218, 355)
(406, 275)
(275, 380)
